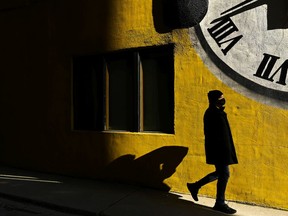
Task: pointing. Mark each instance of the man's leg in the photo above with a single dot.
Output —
(194, 187)
(223, 176)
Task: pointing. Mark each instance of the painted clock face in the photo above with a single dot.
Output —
(248, 41)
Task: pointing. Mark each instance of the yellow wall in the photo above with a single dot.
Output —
(43, 127)
(259, 130)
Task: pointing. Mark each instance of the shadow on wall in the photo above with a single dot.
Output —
(148, 170)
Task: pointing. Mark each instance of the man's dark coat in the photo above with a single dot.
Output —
(219, 144)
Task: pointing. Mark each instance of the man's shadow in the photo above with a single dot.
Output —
(149, 170)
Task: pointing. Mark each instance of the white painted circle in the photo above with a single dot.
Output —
(258, 39)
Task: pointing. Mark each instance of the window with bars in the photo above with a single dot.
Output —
(129, 90)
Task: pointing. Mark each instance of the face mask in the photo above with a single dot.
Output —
(222, 102)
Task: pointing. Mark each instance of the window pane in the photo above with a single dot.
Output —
(120, 92)
(158, 84)
(88, 93)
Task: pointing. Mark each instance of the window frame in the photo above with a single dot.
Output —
(137, 122)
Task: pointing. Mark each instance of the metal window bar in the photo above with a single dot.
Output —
(139, 125)
(105, 95)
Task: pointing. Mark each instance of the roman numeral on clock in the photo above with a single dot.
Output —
(266, 66)
(222, 32)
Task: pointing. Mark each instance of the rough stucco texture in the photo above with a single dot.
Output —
(44, 132)
(259, 130)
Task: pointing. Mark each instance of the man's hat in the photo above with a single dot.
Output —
(214, 95)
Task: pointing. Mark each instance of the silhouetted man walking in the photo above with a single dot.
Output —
(219, 149)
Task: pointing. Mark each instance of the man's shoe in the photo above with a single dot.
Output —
(224, 208)
(193, 188)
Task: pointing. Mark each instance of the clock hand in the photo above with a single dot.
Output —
(237, 6)
(240, 8)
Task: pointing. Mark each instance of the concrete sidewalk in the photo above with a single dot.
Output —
(91, 197)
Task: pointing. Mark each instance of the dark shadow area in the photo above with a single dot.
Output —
(160, 10)
(6, 6)
(100, 198)
(175, 14)
(277, 12)
(148, 170)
